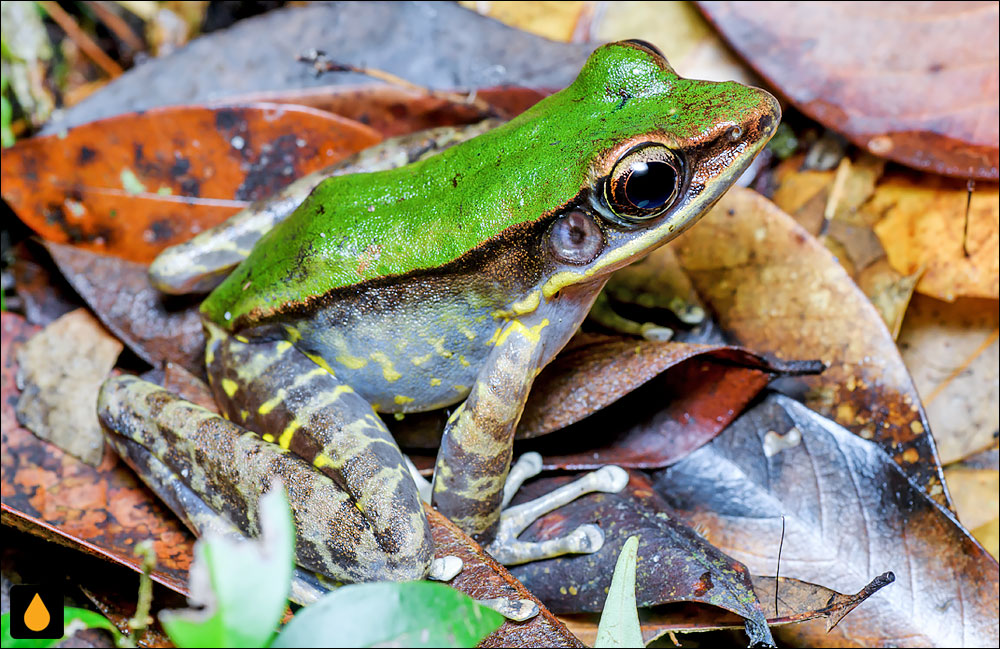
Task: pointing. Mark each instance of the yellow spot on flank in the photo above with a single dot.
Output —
(230, 387)
(388, 371)
(360, 508)
(293, 334)
(283, 346)
(533, 334)
(209, 354)
(435, 382)
(438, 345)
(402, 400)
(351, 362)
(495, 337)
(268, 437)
(460, 388)
(242, 339)
(420, 360)
(465, 363)
(319, 360)
(286, 435)
(468, 333)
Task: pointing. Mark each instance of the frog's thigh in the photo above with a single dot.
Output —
(475, 452)
(275, 390)
(229, 468)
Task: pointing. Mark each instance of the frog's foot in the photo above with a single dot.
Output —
(603, 314)
(508, 550)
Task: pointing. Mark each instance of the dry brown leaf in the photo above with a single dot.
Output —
(915, 82)
(952, 353)
(776, 290)
(924, 225)
(889, 291)
(989, 536)
(975, 494)
(555, 20)
(61, 370)
(693, 48)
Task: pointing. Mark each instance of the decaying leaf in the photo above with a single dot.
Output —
(156, 327)
(889, 291)
(778, 291)
(61, 370)
(933, 224)
(976, 501)
(850, 513)
(675, 563)
(854, 68)
(123, 185)
(798, 601)
(952, 353)
(102, 510)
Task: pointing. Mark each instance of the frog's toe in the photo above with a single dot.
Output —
(655, 332)
(508, 550)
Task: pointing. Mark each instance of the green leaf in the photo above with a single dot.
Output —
(408, 614)
(74, 619)
(619, 625)
(242, 584)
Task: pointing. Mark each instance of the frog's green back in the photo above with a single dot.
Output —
(367, 226)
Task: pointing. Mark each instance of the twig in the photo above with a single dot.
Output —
(117, 24)
(970, 186)
(82, 40)
(777, 571)
(322, 64)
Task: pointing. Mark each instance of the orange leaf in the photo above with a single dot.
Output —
(134, 184)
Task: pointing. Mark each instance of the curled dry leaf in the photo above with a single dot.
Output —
(156, 327)
(675, 563)
(60, 371)
(134, 184)
(599, 402)
(853, 67)
(605, 400)
(850, 514)
(102, 510)
(798, 601)
(777, 290)
(952, 353)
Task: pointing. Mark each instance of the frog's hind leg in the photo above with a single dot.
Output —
(272, 386)
(213, 472)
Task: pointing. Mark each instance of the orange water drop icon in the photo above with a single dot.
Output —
(36, 616)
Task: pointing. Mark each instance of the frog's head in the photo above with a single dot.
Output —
(651, 151)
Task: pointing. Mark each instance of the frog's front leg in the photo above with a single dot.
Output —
(470, 478)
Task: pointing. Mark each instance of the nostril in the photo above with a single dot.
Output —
(734, 133)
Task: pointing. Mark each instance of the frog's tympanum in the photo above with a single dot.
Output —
(449, 282)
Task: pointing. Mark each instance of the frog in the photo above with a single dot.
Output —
(449, 282)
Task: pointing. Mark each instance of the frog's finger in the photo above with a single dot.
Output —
(272, 386)
(230, 468)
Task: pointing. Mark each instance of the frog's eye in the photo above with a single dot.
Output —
(643, 183)
(575, 239)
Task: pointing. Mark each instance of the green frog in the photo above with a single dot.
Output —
(448, 282)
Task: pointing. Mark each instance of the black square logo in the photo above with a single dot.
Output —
(36, 612)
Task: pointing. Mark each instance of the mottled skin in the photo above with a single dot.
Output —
(436, 284)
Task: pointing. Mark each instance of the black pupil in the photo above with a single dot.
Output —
(650, 184)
